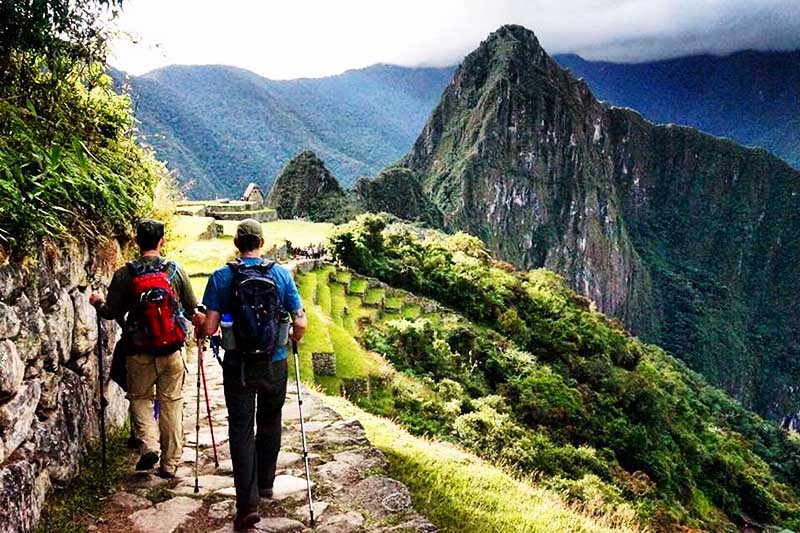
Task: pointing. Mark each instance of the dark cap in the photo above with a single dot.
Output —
(149, 231)
(249, 226)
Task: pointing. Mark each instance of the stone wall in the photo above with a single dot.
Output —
(48, 373)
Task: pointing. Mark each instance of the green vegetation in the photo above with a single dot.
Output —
(374, 296)
(358, 286)
(332, 317)
(396, 190)
(69, 164)
(65, 511)
(460, 493)
(358, 121)
(542, 383)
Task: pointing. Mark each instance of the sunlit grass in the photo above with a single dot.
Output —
(323, 289)
(374, 296)
(394, 303)
(203, 256)
(339, 309)
(461, 493)
(358, 286)
(301, 233)
(199, 285)
(412, 311)
(343, 276)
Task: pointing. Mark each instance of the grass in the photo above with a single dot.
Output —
(331, 330)
(300, 233)
(461, 493)
(339, 304)
(323, 299)
(199, 285)
(189, 228)
(343, 276)
(85, 494)
(374, 296)
(355, 311)
(202, 257)
(412, 311)
(358, 286)
(394, 303)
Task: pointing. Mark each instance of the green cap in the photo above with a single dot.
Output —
(249, 226)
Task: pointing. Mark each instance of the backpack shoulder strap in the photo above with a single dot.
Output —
(174, 266)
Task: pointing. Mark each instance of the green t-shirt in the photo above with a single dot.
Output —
(118, 301)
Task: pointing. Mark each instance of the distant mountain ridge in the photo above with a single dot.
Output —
(748, 96)
(222, 127)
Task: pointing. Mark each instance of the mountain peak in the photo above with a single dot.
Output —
(305, 188)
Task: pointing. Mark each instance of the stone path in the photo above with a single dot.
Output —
(351, 491)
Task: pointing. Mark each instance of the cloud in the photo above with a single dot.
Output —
(321, 37)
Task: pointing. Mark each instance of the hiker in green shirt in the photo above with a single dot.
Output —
(154, 298)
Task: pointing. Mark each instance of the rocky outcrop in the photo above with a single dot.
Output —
(689, 239)
(48, 374)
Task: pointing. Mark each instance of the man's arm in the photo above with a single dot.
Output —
(291, 302)
(211, 323)
(299, 324)
(112, 306)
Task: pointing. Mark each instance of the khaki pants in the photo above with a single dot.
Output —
(166, 373)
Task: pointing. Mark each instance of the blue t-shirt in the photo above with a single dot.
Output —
(219, 292)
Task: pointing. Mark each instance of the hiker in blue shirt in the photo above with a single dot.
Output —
(253, 381)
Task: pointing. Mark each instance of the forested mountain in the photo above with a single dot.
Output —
(751, 97)
(222, 127)
(691, 240)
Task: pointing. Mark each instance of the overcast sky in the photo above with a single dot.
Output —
(310, 38)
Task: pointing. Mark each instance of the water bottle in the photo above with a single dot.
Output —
(283, 330)
(228, 338)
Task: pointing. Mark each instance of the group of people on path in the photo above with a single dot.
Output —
(256, 305)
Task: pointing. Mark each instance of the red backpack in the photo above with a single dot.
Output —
(154, 321)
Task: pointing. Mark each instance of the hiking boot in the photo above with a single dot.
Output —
(245, 521)
(147, 461)
(167, 473)
(265, 493)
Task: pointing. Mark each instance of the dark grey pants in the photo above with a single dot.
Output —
(260, 400)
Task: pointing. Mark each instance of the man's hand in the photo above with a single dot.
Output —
(198, 321)
(96, 298)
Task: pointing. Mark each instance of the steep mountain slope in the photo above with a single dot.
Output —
(221, 127)
(523, 372)
(306, 189)
(692, 241)
(752, 97)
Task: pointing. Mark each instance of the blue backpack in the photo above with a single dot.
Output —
(257, 310)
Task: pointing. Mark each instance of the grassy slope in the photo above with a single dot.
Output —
(455, 489)
(461, 493)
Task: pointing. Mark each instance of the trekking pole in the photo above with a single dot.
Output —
(303, 430)
(197, 430)
(101, 379)
(201, 348)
